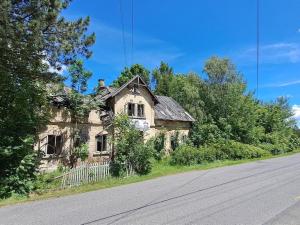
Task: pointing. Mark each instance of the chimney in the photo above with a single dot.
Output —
(101, 84)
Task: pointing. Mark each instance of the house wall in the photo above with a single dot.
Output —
(60, 124)
(126, 96)
(169, 128)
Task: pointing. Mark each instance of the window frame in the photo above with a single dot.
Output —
(104, 146)
(133, 114)
(57, 147)
(143, 110)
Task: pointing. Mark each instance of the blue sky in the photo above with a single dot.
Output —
(186, 33)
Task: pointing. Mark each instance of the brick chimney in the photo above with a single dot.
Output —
(101, 84)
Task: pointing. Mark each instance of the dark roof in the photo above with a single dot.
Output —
(169, 109)
(106, 93)
(166, 108)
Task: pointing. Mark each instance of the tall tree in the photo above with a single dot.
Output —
(162, 79)
(129, 73)
(221, 71)
(79, 107)
(36, 42)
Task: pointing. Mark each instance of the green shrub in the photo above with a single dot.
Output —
(232, 150)
(159, 145)
(130, 148)
(140, 159)
(20, 173)
(82, 151)
(185, 155)
(46, 181)
(236, 150)
(212, 153)
(175, 140)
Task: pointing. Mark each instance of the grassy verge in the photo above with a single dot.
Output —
(160, 169)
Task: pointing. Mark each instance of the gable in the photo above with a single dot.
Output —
(135, 81)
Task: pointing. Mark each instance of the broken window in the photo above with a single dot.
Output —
(131, 109)
(140, 110)
(54, 144)
(102, 143)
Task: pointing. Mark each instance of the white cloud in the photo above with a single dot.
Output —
(283, 84)
(275, 53)
(51, 69)
(296, 111)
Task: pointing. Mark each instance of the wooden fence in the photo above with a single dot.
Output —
(89, 172)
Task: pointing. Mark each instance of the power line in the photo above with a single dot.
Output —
(257, 46)
(131, 31)
(123, 32)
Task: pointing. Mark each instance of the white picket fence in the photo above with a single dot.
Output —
(89, 172)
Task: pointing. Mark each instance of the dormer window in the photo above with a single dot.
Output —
(131, 109)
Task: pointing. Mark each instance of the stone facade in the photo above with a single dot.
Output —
(58, 131)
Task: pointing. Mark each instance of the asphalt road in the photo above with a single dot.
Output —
(262, 192)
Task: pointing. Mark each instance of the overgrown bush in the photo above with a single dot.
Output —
(46, 181)
(130, 148)
(175, 140)
(20, 174)
(140, 158)
(159, 145)
(212, 153)
(185, 155)
(230, 150)
(82, 151)
(236, 150)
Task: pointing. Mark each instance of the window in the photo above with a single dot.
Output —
(54, 144)
(183, 138)
(140, 110)
(102, 143)
(131, 109)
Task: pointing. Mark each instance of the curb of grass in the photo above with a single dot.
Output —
(159, 170)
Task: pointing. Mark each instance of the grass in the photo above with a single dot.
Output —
(162, 168)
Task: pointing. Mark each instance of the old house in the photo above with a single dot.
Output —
(151, 114)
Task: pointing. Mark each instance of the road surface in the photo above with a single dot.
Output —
(262, 192)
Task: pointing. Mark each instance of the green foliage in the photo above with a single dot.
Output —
(18, 175)
(129, 73)
(175, 140)
(47, 181)
(159, 146)
(82, 151)
(230, 150)
(35, 39)
(220, 71)
(79, 106)
(140, 159)
(162, 79)
(236, 150)
(186, 155)
(224, 110)
(130, 148)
